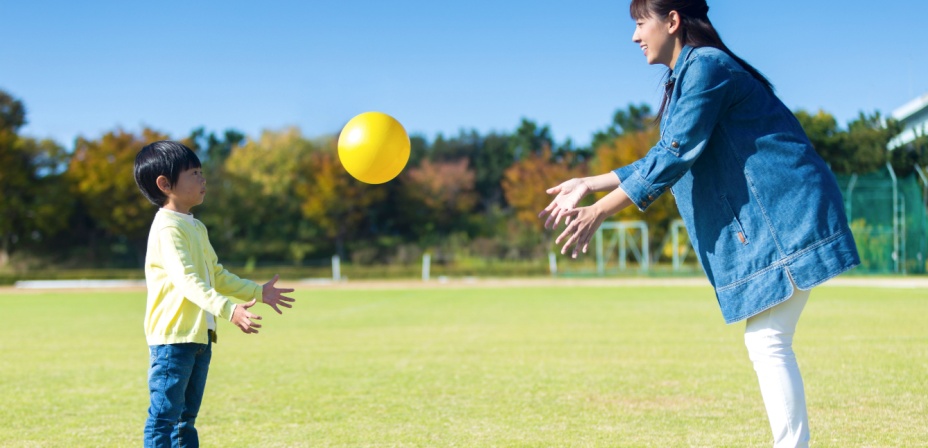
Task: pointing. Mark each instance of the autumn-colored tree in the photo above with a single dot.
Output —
(332, 199)
(488, 156)
(438, 196)
(524, 184)
(623, 150)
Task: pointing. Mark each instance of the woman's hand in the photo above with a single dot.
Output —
(583, 223)
(568, 196)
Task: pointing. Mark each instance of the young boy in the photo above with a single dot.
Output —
(187, 290)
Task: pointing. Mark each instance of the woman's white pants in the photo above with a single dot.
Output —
(769, 339)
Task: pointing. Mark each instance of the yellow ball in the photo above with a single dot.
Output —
(373, 147)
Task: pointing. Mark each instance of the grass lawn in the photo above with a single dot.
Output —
(472, 367)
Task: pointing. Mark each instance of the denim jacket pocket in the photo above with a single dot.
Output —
(736, 224)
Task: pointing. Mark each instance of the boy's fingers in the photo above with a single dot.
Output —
(286, 290)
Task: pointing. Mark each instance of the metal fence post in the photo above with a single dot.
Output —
(892, 174)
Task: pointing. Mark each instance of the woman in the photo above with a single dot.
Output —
(762, 209)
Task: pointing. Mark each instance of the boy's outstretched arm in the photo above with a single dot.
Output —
(274, 296)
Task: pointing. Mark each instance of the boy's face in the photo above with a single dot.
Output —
(189, 191)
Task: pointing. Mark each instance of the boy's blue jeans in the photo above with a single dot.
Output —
(176, 381)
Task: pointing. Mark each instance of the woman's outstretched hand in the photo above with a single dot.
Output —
(568, 196)
(583, 223)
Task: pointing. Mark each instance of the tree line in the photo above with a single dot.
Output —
(282, 197)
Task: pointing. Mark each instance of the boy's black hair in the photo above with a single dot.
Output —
(164, 158)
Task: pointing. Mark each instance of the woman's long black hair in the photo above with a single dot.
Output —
(696, 31)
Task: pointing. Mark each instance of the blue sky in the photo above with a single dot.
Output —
(85, 68)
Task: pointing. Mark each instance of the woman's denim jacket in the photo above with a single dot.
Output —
(761, 207)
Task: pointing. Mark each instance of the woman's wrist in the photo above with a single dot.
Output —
(603, 182)
(612, 203)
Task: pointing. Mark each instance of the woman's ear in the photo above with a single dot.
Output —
(673, 22)
(163, 184)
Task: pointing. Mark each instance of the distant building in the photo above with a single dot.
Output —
(914, 116)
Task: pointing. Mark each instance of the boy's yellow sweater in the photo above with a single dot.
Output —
(180, 266)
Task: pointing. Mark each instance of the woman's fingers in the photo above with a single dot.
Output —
(547, 209)
(571, 240)
(576, 233)
(553, 218)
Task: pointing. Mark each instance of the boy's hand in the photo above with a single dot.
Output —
(241, 317)
(273, 296)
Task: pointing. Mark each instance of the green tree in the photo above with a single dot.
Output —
(101, 172)
(34, 200)
(859, 149)
(634, 119)
(530, 139)
(915, 153)
(213, 150)
(825, 136)
(261, 218)
(14, 176)
(866, 140)
(221, 207)
(491, 159)
(12, 113)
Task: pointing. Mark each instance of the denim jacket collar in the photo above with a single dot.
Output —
(681, 59)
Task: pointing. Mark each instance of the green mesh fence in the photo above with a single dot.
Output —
(889, 221)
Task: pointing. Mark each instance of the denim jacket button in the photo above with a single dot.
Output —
(675, 144)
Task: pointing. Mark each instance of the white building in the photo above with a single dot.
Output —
(914, 116)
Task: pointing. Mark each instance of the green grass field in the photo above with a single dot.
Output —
(472, 367)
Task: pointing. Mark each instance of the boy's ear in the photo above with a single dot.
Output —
(163, 184)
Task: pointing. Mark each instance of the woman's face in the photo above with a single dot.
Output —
(656, 38)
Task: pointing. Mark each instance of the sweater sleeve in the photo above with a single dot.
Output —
(230, 284)
(182, 272)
